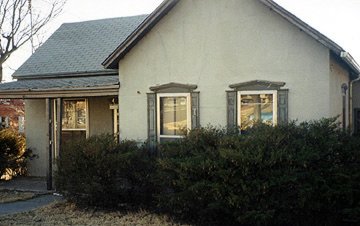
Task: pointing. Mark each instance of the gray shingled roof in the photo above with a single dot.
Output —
(79, 48)
(60, 83)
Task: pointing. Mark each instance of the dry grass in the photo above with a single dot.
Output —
(12, 196)
(63, 213)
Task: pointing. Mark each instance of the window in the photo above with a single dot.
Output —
(256, 101)
(173, 111)
(257, 106)
(74, 115)
(172, 108)
(74, 120)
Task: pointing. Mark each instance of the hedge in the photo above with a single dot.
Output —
(100, 172)
(295, 174)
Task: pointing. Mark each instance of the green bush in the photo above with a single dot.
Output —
(13, 154)
(288, 174)
(99, 172)
(295, 174)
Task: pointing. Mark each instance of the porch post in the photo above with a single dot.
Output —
(49, 145)
(58, 126)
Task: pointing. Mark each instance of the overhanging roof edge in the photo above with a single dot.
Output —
(43, 93)
(111, 62)
(67, 75)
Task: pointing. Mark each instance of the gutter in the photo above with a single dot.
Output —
(354, 66)
(60, 92)
(67, 75)
(345, 56)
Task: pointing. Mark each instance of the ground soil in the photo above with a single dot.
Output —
(65, 213)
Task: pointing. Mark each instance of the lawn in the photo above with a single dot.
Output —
(65, 213)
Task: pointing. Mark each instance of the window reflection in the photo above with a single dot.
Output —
(74, 114)
(256, 108)
(173, 115)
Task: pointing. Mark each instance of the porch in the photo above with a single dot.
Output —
(58, 111)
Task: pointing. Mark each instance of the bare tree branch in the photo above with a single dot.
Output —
(20, 21)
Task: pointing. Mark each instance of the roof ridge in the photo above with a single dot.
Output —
(104, 19)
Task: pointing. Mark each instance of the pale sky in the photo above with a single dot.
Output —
(337, 19)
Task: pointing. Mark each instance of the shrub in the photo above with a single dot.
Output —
(295, 174)
(287, 174)
(13, 154)
(99, 172)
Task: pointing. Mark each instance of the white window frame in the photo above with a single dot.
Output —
(256, 92)
(87, 115)
(188, 112)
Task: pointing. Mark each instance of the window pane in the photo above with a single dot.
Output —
(74, 114)
(173, 115)
(256, 108)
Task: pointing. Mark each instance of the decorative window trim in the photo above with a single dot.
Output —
(188, 113)
(257, 85)
(233, 99)
(173, 87)
(153, 103)
(274, 93)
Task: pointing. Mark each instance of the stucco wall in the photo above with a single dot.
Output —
(35, 132)
(338, 77)
(213, 44)
(100, 115)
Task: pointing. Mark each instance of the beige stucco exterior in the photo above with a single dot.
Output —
(100, 116)
(213, 44)
(100, 122)
(339, 76)
(36, 139)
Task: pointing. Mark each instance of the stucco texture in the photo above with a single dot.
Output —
(100, 116)
(213, 44)
(338, 77)
(36, 140)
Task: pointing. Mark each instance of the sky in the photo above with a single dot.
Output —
(337, 19)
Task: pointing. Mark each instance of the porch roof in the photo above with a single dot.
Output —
(61, 87)
(78, 48)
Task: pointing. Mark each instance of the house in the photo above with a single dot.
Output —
(189, 63)
(215, 62)
(12, 113)
(67, 92)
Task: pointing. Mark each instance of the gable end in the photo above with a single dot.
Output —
(112, 61)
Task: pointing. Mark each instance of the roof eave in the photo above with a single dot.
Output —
(331, 45)
(110, 90)
(112, 61)
(350, 61)
(303, 26)
(64, 75)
